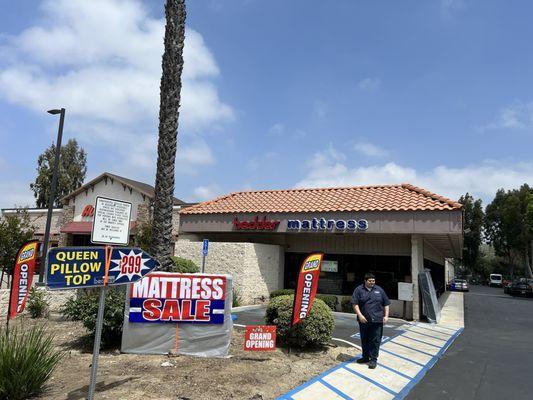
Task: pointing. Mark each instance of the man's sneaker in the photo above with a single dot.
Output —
(372, 364)
(361, 360)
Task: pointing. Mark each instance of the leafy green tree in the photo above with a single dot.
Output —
(168, 132)
(507, 228)
(473, 226)
(71, 174)
(15, 229)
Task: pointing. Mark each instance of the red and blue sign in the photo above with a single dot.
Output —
(173, 297)
(80, 267)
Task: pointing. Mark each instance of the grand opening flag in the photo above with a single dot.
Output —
(178, 298)
(306, 288)
(22, 277)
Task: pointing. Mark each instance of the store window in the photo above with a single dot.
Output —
(341, 273)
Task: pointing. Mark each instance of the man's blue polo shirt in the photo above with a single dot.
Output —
(371, 302)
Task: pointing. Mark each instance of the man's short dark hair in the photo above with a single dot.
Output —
(369, 275)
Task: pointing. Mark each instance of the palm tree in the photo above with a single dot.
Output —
(168, 131)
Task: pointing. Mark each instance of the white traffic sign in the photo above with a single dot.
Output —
(111, 223)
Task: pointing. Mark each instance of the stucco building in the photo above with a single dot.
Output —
(261, 237)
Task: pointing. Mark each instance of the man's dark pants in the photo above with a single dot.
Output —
(371, 334)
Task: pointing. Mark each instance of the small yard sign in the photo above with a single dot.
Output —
(260, 338)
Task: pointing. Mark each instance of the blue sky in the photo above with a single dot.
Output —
(277, 94)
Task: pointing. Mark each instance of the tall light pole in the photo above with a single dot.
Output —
(52, 191)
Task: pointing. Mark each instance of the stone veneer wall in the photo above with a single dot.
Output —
(255, 267)
(66, 218)
(175, 223)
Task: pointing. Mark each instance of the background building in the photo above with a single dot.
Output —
(72, 224)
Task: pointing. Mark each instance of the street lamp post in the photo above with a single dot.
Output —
(52, 191)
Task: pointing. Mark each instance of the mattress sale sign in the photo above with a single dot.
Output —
(174, 297)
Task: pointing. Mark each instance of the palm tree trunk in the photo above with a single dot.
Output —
(168, 131)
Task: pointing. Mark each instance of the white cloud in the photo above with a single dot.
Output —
(202, 193)
(482, 179)
(452, 4)
(277, 129)
(370, 150)
(516, 116)
(16, 194)
(320, 109)
(101, 60)
(197, 153)
(370, 84)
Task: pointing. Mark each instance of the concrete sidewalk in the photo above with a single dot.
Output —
(402, 363)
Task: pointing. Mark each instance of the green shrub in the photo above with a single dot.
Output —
(84, 307)
(38, 306)
(346, 305)
(27, 360)
(329, 299)
(315, 330)
(281, 292)
(184, 266)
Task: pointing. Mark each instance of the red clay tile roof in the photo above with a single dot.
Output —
(404, 197)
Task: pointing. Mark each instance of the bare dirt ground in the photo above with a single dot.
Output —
(245, 375)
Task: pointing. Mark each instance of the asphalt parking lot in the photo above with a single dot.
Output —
(346, 328)
(492, 359)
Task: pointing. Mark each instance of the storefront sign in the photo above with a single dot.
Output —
(22, 277)
(88, 211)
(78, 267)
(255, 225)
(323, 224)
(111, 221)
(306, 288)
(178, 298)
(260, 338)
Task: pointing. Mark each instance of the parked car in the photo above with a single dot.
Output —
(507, 287)
(460, 285)
(522, 287)
(496, 280)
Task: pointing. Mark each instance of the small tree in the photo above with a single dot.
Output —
(15, 229)
(71, 174)
(473, 225)
(143, 236)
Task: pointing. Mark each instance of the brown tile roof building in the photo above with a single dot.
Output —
(404, 197)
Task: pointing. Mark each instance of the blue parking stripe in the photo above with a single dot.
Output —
(397, 396)
(317, 378)
(423, 334)
(372, 381)
(412, 348)
(334, 389)
(421, 341)
(427, 367)
(402, 357)
(396, 372)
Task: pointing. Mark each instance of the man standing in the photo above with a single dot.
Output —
(371, 304)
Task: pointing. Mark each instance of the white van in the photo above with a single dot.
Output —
(496, 280)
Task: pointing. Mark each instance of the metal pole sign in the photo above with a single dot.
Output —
(86, 267)
(205, 249)
(111, 223)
